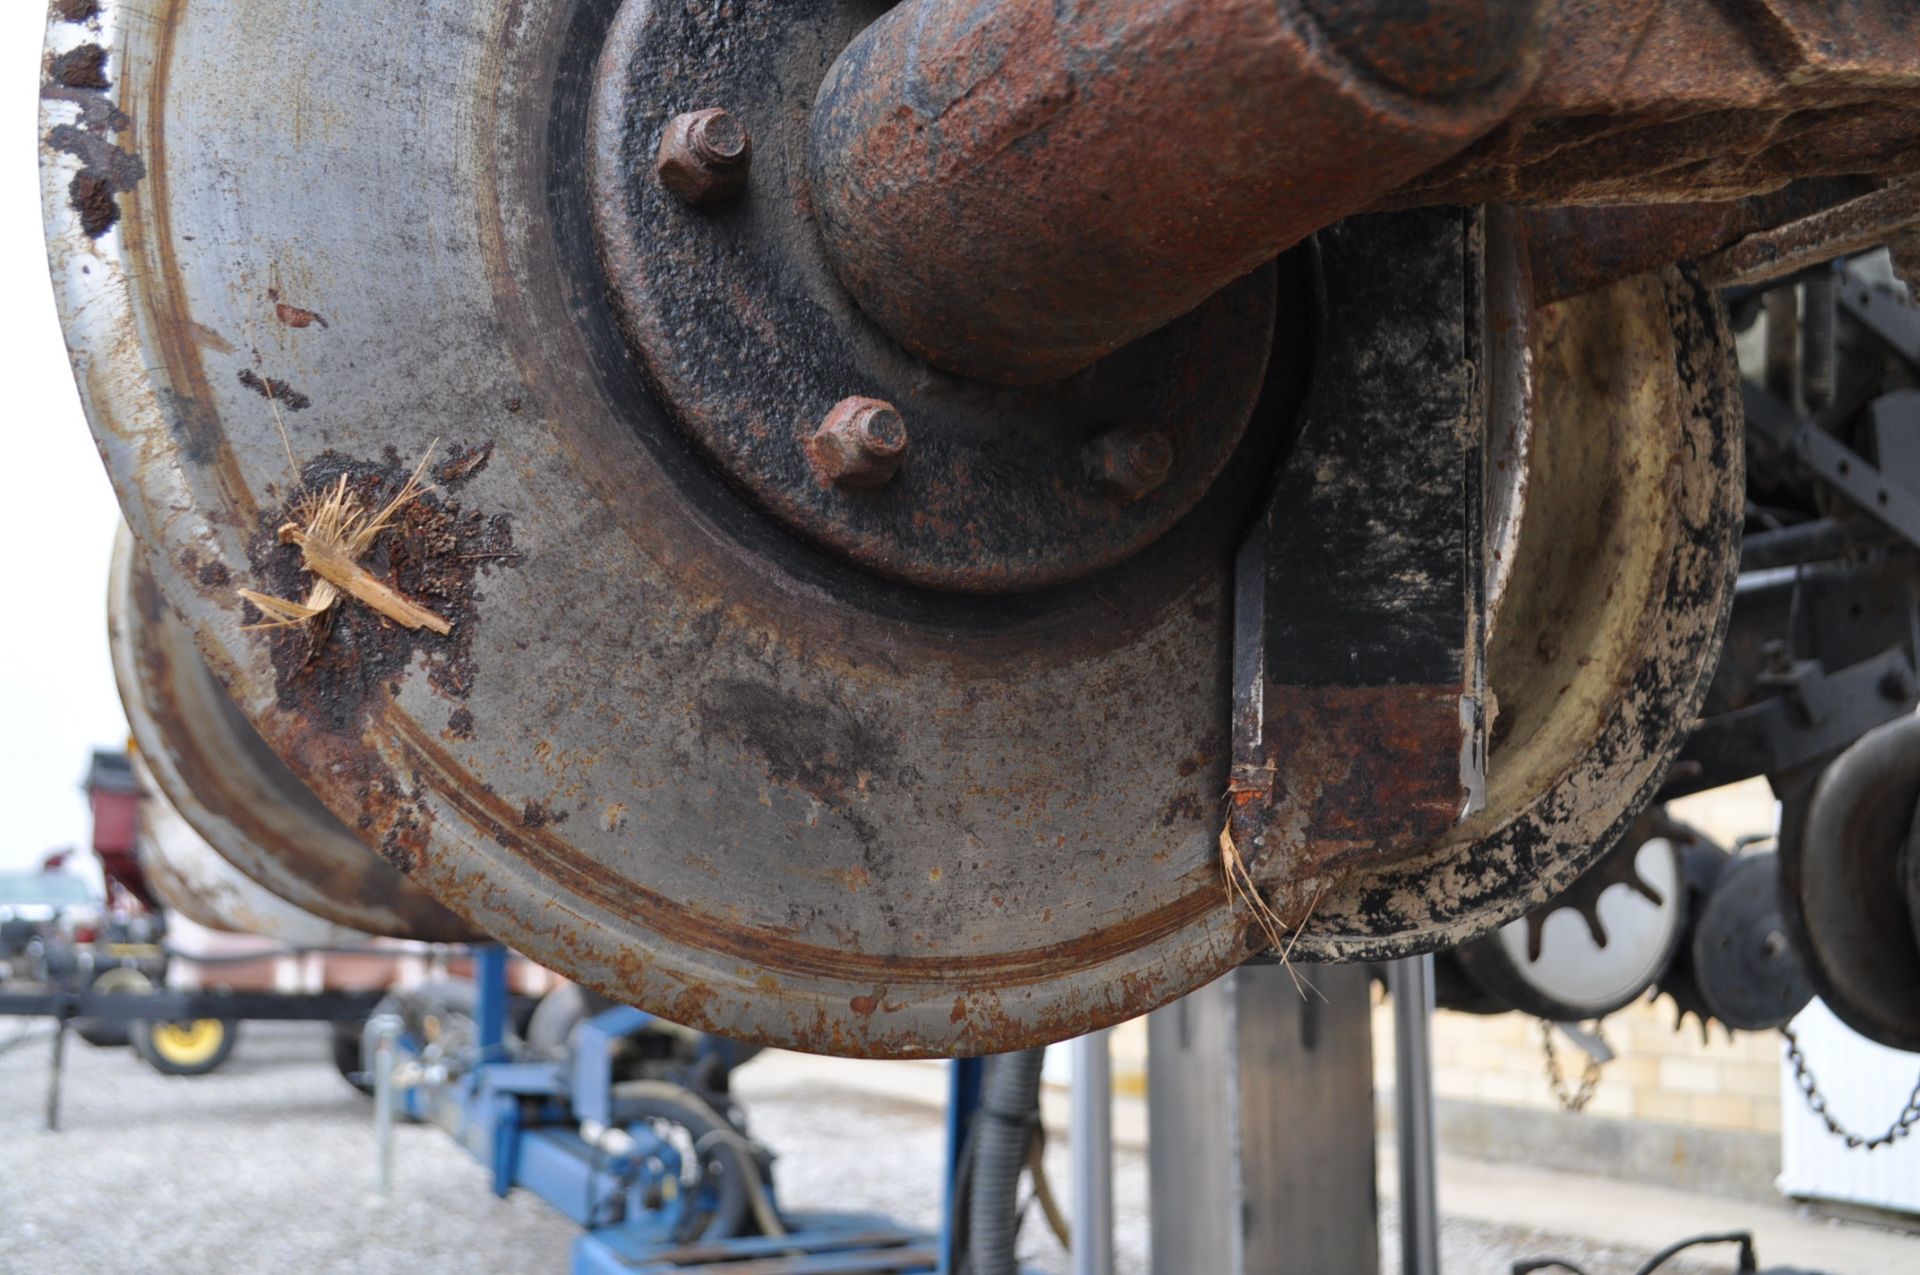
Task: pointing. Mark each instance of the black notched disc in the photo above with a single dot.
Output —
(1701, 863)
(1748, 974)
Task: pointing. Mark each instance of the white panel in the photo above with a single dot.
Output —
(1866, 1085)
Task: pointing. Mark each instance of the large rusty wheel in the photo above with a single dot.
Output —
(292, 870)
(764, 783)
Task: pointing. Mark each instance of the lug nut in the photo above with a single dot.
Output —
(860, 443)
(704, 156)
(1130, 463)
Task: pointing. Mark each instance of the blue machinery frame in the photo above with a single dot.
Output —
(528, 1123)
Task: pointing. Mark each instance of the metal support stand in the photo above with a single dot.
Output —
(490, 999)
(1410, 984)
(384, 1031)
(963, 1104)
(1091, 1131)
(59, 1069)
(1260, 1115)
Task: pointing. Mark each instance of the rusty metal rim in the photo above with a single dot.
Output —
(283, 843)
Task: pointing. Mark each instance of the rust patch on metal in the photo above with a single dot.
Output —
(434, 553)
(1015, 189)
(92, 197)
(296, 316)
(225, 780)
(1578, 249)
(592, 882)
(84, 67)
(1849, 226)
(79, 76)
(276, 391)
(1385, 768)
(461, 464)
(1698, 99)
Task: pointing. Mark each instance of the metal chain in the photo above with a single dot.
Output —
(1589, 1076)
(1817, 1103)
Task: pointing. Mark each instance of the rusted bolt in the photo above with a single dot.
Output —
(1129, 462)
(704, 156)
(860, 443)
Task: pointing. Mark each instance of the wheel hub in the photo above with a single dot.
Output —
(727, 297)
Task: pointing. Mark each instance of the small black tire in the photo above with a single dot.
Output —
(346, 1041)
(723, 1162)
(112, 1033)
(191, 1048)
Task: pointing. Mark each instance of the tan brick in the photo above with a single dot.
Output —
(1456, 1082)
(1752, 1079)
(1480, 1056)
(1658, 1104)
(1721, 1111)
(1510, 1091)
(1689, 1076)
(1636, 1071)
(1611, 1100)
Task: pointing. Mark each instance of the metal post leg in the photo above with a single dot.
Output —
(490, 1000)
(384, 1029)
(963, 1105)
(1260, 1119)
(59, 1069)
(1410, 983)
(1092, 1145)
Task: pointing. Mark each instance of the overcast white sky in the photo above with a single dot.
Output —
(57, 516)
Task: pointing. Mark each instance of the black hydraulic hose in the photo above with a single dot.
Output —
(1009, 1104)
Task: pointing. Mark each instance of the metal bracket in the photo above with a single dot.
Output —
(1881, 312)
(592, 1070)
(1359, 629)
(1785, 431)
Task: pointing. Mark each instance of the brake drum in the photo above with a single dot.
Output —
(709, 752)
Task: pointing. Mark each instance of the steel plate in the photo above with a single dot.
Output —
(667, 749)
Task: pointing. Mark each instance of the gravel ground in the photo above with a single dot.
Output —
(268, 1166)
(892, 1166)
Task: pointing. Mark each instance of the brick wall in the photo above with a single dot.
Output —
(1657, 1073)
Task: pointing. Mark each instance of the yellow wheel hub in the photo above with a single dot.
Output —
(188, 1044)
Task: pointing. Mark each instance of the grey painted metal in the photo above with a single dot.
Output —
(679, 756)
(1090, 1132)
(1410, 984)
(1260, 1119)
